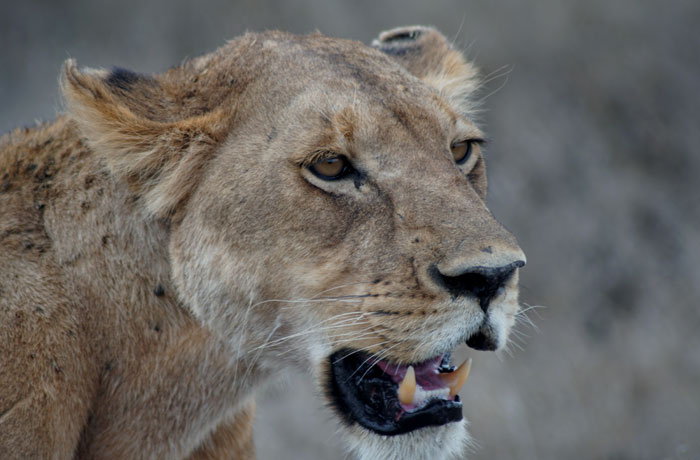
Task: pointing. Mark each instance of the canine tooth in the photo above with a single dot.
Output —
(461, 375)
(407, 389)
(450, 378)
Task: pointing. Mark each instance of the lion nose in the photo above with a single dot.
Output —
(483, 283)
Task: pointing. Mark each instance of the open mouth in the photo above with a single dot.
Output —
(392, 399)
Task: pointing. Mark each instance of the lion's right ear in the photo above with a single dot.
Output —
(428, 55)
(132, 122)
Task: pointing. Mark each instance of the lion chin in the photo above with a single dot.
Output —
(436, 443)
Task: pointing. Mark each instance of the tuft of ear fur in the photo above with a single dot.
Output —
(129, 122)
(428, 55)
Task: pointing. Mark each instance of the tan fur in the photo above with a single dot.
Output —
(165, 250)
(232, 439)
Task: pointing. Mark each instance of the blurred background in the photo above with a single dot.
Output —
(593, 109)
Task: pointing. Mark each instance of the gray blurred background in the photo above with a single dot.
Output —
(593, 109)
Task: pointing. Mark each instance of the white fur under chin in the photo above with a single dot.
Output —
(435, 443)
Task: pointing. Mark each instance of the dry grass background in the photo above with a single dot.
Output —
(594, 165)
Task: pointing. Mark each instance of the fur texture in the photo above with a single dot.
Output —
(166, 249)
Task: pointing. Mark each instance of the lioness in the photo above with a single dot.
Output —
(176, 240)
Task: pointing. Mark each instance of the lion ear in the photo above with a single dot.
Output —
(428, 55)
(129, 122)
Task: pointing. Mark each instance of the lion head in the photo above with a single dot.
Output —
(326, 203)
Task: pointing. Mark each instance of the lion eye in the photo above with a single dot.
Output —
(461, 151)
(330, 168)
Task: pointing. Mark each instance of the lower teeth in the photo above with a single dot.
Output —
(422, 396)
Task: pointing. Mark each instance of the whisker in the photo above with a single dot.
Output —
(299, 334)
(505, 82)
(379, 357)
(339, 287)
(319, 300)
(459, 30)
(527, 321)
(257, 357)
(352, 339)
(531, 307)
(498, 73)
(360, 350)
(361, 335)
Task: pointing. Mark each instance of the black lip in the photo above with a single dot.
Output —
(364, 394)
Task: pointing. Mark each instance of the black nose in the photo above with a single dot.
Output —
(483, 283)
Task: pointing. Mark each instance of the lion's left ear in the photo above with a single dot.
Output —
(133, 123)
(428, 55)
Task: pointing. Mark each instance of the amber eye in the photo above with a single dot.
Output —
(461, 151)
(330, 168)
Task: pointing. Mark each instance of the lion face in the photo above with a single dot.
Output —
(331, 213)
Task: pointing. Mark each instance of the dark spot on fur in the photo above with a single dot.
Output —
(413, 296)
(39, 206)
(32, 356)
(28, 245)
(385, 312)
(487, 249)
(156, 327)
(375, 295)
(358, 181)
(47, 172)
(386, 283)
(108, 367)
(167, 220)
(272, 134)
(85, 205)
(5, 186)
(417, 240)
(377, 281)
(123, 78)
(383, 337)
(39, 309)
(89, 180)
(159, 291)
(70, 333)
(232, 82)
(30, 167)
(105, 240)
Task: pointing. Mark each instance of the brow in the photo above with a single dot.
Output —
(465, 130)
(336, 136)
